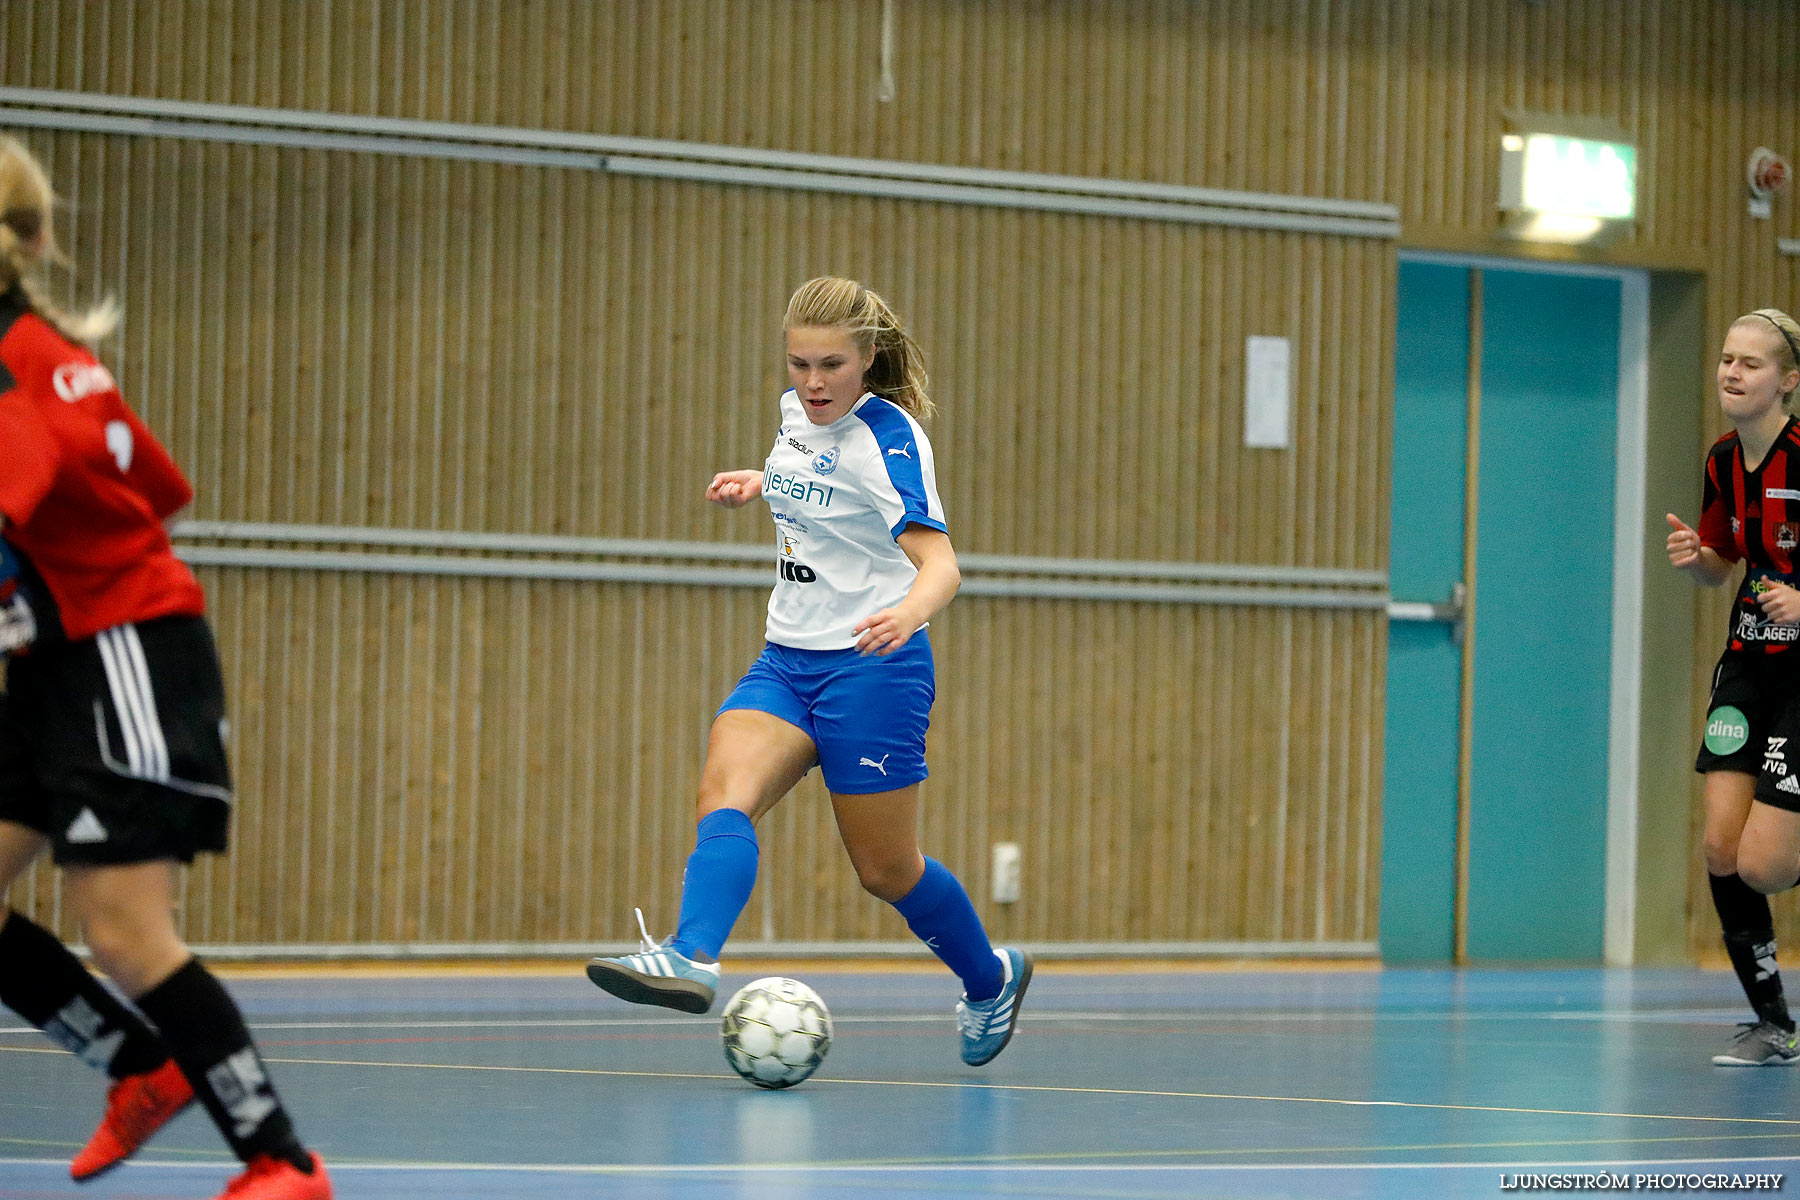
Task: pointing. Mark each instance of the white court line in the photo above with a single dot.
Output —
(338, 1168)
(1036, 1017)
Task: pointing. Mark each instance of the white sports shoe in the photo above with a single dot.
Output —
(987, 1025)
(657, 975)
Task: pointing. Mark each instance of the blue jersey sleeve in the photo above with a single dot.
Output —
(903, 484)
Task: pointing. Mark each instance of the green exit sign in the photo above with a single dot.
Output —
(1568, 176)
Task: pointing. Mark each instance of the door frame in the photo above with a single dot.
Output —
(1629, 498)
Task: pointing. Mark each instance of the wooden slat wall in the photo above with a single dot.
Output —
(369, 340)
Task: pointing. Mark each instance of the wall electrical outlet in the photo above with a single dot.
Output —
(1008, 872)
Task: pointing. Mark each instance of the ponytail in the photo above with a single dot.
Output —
(27, 239)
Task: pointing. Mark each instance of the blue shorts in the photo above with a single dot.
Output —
(866, 715)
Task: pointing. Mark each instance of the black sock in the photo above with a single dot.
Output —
(1750, 942)
(205, 1032)
(44, 983)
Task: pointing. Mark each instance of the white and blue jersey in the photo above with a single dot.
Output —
(841, 495)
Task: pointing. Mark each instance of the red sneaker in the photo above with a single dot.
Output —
(136, 1107)
(266, 1178)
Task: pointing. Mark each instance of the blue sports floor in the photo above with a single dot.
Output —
(1140, 1084)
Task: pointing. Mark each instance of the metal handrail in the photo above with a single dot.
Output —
(1015, 576)
(610, 144)
(695, 161)
(563, 544)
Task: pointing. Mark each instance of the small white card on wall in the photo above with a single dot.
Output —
(1266, 387)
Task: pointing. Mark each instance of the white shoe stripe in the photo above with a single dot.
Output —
(154, 743)
(122, 706)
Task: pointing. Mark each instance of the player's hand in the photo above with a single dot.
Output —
(1781, 604)
(1684, 543)
(885, 632)
(734, 489)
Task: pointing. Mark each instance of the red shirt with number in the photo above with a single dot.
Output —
(84, 488)
(1753, 517)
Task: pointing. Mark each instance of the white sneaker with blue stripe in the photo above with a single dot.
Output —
(657, 975)
(987, 1025)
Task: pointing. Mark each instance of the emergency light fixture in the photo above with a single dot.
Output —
(1573, 190)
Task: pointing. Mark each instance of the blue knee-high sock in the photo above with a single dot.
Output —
(939, 912)
(720, 873)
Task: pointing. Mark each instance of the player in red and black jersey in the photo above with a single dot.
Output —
(1750, 513)
(112, 750)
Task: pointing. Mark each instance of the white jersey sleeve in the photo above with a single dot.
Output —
(841, 494)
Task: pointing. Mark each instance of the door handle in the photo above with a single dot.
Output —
(1451, 610)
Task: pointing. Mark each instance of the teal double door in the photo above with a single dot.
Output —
(1495, 817)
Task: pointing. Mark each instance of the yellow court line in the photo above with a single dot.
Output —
(552, 968)
(1055, 1090)
(1048, 1089)
(1298, 1152)
(203, 1158)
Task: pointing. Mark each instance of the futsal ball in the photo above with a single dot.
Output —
(776, 1032)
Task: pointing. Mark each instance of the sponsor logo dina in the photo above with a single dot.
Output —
(1727, 730)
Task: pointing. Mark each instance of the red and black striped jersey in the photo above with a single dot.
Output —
(1753, 517)
(84, 488)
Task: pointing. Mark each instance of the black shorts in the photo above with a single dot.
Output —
(114, 747)
(1753, 724)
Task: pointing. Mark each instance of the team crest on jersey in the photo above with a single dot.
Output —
(1736, 525)
(1787, 535)
(827, 462)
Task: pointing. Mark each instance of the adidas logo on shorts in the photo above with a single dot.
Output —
(85, 829)
(1789, 783)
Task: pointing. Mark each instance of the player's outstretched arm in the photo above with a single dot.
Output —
(939, 577)
(734, 489)
(1686, 553)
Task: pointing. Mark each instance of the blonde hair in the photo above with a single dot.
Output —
(1788, 330)
(27, 238)
(897, 365)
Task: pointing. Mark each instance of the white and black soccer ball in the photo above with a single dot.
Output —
(776, 1032)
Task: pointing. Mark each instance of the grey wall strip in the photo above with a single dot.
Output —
(603, 144)
(694, 162)
(758, 552)
(948, 193)
(81, 122)
(480, 568)
(698, 576)
(328, 951)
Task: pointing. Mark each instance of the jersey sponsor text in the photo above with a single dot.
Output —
(803, 490)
